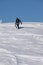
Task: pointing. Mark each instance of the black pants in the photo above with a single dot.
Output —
(18, 26)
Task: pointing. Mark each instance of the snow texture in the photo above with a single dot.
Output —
(22, 46)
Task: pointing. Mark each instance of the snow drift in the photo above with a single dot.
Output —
(22, 46)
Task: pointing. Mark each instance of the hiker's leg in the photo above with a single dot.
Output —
(18, 26)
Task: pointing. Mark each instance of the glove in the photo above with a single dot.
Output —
(21, 23)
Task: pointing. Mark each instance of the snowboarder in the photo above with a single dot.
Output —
(18, 21)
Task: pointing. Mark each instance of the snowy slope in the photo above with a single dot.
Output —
(22, 46)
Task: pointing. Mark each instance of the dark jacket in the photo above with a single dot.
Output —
(18, 21)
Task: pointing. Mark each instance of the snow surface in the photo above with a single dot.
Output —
(22, 46)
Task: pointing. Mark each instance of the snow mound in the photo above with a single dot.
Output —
(23, 46)
(6, 58)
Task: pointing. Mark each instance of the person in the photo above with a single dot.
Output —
(17, 23)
